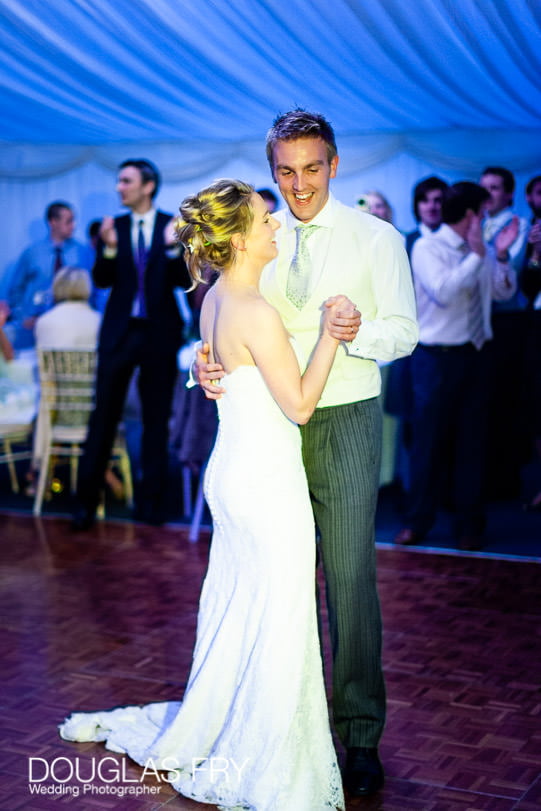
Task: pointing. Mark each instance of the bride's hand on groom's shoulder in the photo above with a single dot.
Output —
(341, 318)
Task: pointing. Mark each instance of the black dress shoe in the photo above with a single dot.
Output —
(363, 774)
(82, 520)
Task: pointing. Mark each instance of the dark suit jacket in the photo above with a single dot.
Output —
(411, 239)
(162, 275)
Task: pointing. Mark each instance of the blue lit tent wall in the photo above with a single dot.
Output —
(438, 86)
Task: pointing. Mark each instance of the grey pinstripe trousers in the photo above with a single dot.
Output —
(342, 452)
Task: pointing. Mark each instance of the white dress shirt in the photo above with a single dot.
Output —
(425, 231)
(148, 219)
(444, 278)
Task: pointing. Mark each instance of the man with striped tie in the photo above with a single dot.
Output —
(456, 278)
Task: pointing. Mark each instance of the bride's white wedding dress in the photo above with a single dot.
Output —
(252, 730)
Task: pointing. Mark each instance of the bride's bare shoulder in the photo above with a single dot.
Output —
(243, 309)
(259, 312)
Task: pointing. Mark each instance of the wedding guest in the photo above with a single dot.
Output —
(99, 296)
(500, 184)
(427, 206)
(30, 292)
(142, 329)
(375, 203)
(509, 325)
(456, 279)
(70, 324)
(531, 287)
(531, 272)
(427, 203)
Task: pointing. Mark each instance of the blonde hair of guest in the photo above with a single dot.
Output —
(72, 284)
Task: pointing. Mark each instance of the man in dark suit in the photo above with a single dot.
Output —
(139, 260)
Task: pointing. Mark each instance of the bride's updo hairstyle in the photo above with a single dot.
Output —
(208, 221)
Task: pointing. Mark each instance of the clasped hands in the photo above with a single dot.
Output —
(345, 319)
(342, 323)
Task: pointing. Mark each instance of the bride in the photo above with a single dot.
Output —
(252, 730)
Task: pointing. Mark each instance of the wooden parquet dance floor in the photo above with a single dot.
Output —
(95, 620)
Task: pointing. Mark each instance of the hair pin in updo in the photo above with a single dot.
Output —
(198, 228)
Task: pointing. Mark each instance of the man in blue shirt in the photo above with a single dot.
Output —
(30, 293)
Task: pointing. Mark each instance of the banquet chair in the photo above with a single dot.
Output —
(67, 383)
(14, 434)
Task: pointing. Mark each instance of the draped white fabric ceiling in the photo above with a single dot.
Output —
(443, 86)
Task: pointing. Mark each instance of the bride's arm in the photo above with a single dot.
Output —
(269, 345)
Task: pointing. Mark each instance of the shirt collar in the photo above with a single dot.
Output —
(148, 218)
(324, 218)
(446, 233)
(501, 217)
(425, 231)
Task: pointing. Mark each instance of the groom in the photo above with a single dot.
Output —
(363, 258)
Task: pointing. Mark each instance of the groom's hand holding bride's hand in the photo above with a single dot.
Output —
(345, 319)
(208, 374)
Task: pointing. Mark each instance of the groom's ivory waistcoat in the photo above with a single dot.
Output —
(363, 258)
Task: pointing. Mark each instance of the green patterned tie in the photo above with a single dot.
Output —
(299, 271)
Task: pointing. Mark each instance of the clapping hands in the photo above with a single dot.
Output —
(108, 232)
(507, 235)
(534, 237)
(474, 236)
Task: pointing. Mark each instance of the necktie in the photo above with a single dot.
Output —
(490, 229)
(299, 270)
(141, 260)
(476, 317)
(58, 259)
